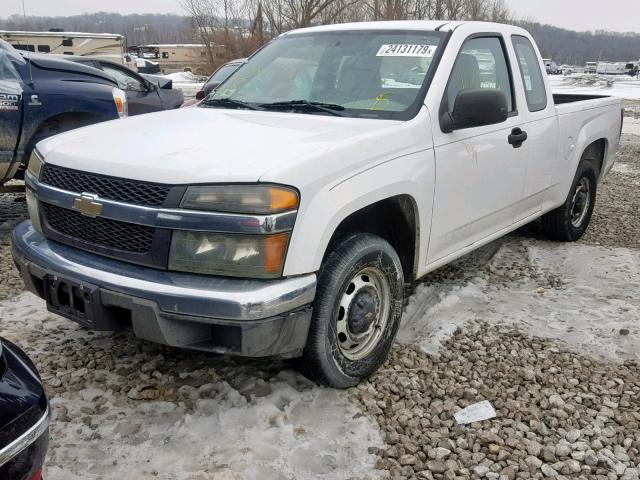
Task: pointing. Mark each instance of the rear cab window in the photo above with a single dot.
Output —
(481, 64)
(531, 74)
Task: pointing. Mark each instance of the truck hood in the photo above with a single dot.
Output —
(205, 145)
(60, 64)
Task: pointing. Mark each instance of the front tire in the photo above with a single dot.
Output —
(356, 313)
(568, 222)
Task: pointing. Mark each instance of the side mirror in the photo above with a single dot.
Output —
(476, 108)
(200, 95)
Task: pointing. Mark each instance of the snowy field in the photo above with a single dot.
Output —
(621, 86)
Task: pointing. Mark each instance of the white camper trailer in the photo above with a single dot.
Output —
(614, 68)
(103, 45)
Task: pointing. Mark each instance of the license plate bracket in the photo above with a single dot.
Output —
(77, 301)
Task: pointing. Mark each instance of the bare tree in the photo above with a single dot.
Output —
(455, 9)
(203, 16)
(499, 12)
(476, 9)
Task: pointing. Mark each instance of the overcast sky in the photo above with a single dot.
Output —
(616, 15)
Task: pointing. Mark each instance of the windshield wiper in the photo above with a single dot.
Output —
(229, 102)
(330, 108)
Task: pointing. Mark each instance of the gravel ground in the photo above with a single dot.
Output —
(615, 219)
(557, 413)
(124, 408)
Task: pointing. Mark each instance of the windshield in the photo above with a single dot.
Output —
(373, 74)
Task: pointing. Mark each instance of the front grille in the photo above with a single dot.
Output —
(118, 189)
(103, 232)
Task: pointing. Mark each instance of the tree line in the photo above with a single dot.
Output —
(235, 28)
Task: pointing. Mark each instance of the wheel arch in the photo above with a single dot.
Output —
(596, 152)
(394, 219)
(76, 118)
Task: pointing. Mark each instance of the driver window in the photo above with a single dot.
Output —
(481, 64)
(125, 81)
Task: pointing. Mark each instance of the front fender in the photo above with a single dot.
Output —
(319, 217)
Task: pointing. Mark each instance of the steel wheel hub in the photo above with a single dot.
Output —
(363, 313)
(580, 203)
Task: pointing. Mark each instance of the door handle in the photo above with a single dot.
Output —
(517, 137)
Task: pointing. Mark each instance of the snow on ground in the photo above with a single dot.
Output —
(187, 420)
(188, 82)
(631, 126)
(595, 296)
(617, 85)
(205, 418)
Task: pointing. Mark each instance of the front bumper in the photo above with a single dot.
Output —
(254, 318)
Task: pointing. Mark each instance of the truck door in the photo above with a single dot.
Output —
(479, 173)
(11, 111)
(539, 112)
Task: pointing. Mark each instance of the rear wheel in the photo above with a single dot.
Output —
(568, 222)
(356, 313)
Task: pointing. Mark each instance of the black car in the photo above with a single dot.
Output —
(145, 94)
(24, 416)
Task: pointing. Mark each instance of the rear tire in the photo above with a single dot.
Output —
(568, 222)
(356, 313)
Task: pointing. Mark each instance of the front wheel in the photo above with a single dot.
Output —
(568, 222)
(356, 313)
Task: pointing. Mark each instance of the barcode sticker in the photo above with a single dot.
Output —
(406, 50)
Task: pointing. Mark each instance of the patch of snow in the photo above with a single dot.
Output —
(598, 299)
(283, 428)
(621, 86)
(186, 77)
(631, 126)
(189, 83)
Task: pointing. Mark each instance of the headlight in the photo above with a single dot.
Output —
(249, 256)
(35, 164)
(249, 199)
(120, 100)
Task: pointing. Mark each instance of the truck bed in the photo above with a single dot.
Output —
(562, 98)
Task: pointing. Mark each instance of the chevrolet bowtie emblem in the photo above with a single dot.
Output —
(88, 205)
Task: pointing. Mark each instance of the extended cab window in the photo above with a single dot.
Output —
(373, 74)
(481, 63)
(531, 74)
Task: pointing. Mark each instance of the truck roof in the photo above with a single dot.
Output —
(410, 25)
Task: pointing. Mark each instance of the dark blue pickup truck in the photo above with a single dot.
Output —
(41, 96)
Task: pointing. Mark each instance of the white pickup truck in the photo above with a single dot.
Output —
(285, 214)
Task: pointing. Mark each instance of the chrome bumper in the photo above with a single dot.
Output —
(179, 309)
(26, 439)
